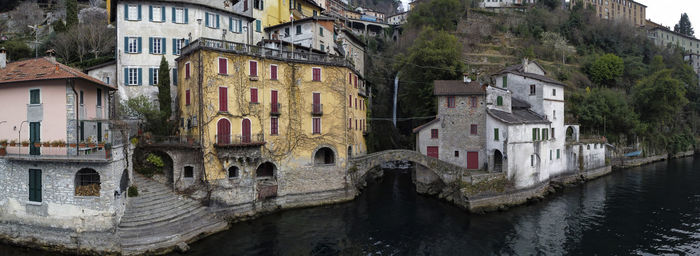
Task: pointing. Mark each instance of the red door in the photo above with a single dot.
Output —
(433, 152)
(223, 132)
(273, 99)
(245, 131)
(472, 160)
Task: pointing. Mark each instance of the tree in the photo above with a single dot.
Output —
(604, 110)
(164, 88)
(71, 13)
(17, 50)
(25, 15)
(551, 4)
(434, 55)
(684, 26)
(659, 98)
(555, 41)
(606, 69)
(439, 14)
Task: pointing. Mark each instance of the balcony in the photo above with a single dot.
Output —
(228, 140)
(317, 109)
(275, 109)
(264, 52)
(179, 141)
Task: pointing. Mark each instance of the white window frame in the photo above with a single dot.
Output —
(159, 16)
(156, 70)
(277, 71)
(179, 15)
(212, 20)
(218, 67)
(133, 10)
(157, 41)
(320, 125)
(135, 79)
(320, 74)
(178, 45)
(132, 41)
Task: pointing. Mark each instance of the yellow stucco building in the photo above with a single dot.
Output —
(279, 11)
(272, 124)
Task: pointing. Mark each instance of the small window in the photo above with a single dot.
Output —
(532, 160)
(273, 72)
(554, 92)
(495, 134)
(450, 101)
(99, 97)
(133, 13)
(187, 70)
(34, 96)
(253, 68)
(157, 13)
(187, 97)
(505, 81)
(258, 26)
(316, 72)
(473, 130)
(499, 101)
(433, 133)
(87, 183)
(558, 155)
(316, 125)
(81, 97)
(456, 153)
(35, 185)
(179, 15)
(232, 172)
(320, 29)
(551, 154)
(223, 66)
(298, 29)
(474, 101)
(189, 172)
(553, 133)
(533, 89)
(253, 95)
(274, 126)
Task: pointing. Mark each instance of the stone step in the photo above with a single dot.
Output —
(170, 217)
(181, 206)
(146, 202)
(165, 228)
(145, 244)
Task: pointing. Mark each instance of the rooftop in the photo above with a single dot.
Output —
(518, 116)
(417, 129)
(518, 70)
(42, 69)
(457, 87)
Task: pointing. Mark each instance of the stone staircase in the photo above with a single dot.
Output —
(158, 220)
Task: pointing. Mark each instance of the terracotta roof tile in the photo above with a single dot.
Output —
(42, 69)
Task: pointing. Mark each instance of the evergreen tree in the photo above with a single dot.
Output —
(164, 89)
(71, 13)
(684, 26)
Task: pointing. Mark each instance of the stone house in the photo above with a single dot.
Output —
(628, 11)
(523, 135)
(276, 126)
(397, 19)
(458, 134)
(50, 186)
(315, 32)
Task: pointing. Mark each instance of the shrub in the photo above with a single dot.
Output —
(133, 191)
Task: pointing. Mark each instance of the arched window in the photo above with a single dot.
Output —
(324, 156)
(223, 132)
(233, 172)
(87, 182)
(499, 101)
(189, 172)
(266, 169)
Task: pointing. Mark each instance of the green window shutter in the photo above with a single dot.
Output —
(206, 19)
(150, 76)
(126, 12)
(139, 44)
(550, 154)
(499, 101)
(174, 46)
(162, 13)
(150, 45)
(558, 154)
(240, 26)
(505, 81)
(187, 42)
(150, 13)
(534, 134)
(139, 7)
(126, 44)
(99, 131)
(320, 30)
(495, 134)
(230, 24)
(163, 46)
(173, 14)
(217, 21)
(139, 76)
(258, 24)
(126, 76)
(187, 16)
(35, 185)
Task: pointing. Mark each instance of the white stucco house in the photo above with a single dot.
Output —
(525, 134)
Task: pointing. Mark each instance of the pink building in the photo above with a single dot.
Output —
(40, 98)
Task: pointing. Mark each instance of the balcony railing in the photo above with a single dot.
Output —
(275, 109)
(178, 140)
(240, 140)
(265, 52)
(317, 109)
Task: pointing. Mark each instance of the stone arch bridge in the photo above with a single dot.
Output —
(429, 171)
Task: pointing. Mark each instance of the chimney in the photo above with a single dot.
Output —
(466, 78)
(51, 54)
(525, 62)
(3, 58)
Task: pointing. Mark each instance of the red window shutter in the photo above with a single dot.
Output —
(253, 68)
(317, 98)
(273, 72)
(316, 74)
(350, 78)
(316, 125)
(355, 124)
(187, 97)
(355, 81)
(187, 70)
(474, 101)
(350, 122)
(273, 126)
(355, 103)
(223, 69)
(254, 95)
(350, 100)
(223, 99)
(434, 133)
(273, 101)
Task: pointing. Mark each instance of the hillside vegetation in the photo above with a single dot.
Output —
(620, 85)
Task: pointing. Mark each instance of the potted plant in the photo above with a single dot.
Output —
(82, 144)
(72, 145)
(13, 143)
(3, 143)
(37, 144)
(61, 143)
(46, 144)
(25, 143)
(108, 150)
(55, 143)
(90, 142)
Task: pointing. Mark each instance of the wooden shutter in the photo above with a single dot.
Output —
(187, 70)
(273, 72)
(187, 97)
(223, 99)
(223, 66)
(254, 95)
(253, 68)
(245, 134)
(35, 185)
(273, 102)
(273, 126)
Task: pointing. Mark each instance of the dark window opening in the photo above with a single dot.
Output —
(189, 172)
(324, 156)
(232, 172)
(266, 169)
(87, 183)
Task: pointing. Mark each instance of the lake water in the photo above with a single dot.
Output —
(650, 210)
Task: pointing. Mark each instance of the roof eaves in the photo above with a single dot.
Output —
(421, 127)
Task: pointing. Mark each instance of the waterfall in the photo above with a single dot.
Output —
(396, 95)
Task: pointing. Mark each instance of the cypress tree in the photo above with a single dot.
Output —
(684, 26)
(164, 89)
(71, 13)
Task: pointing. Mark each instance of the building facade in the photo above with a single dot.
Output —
(398, 19)
(150, 30)
(618, 10)
(663, 37)
(506, 3)
(272, 125)
(314, 32)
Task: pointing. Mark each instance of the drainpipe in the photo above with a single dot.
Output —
(71, 83)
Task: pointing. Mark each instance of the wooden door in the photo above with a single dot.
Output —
(34, 137)
(223, 132)
(433, 152)
(472, 160)
(245, 131)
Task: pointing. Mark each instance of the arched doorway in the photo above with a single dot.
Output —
(265, 170)
(245, 131)
(324, 156)
(570, 134)
(497, 161)
(154, 162)
(87, 182)
(223, 132)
